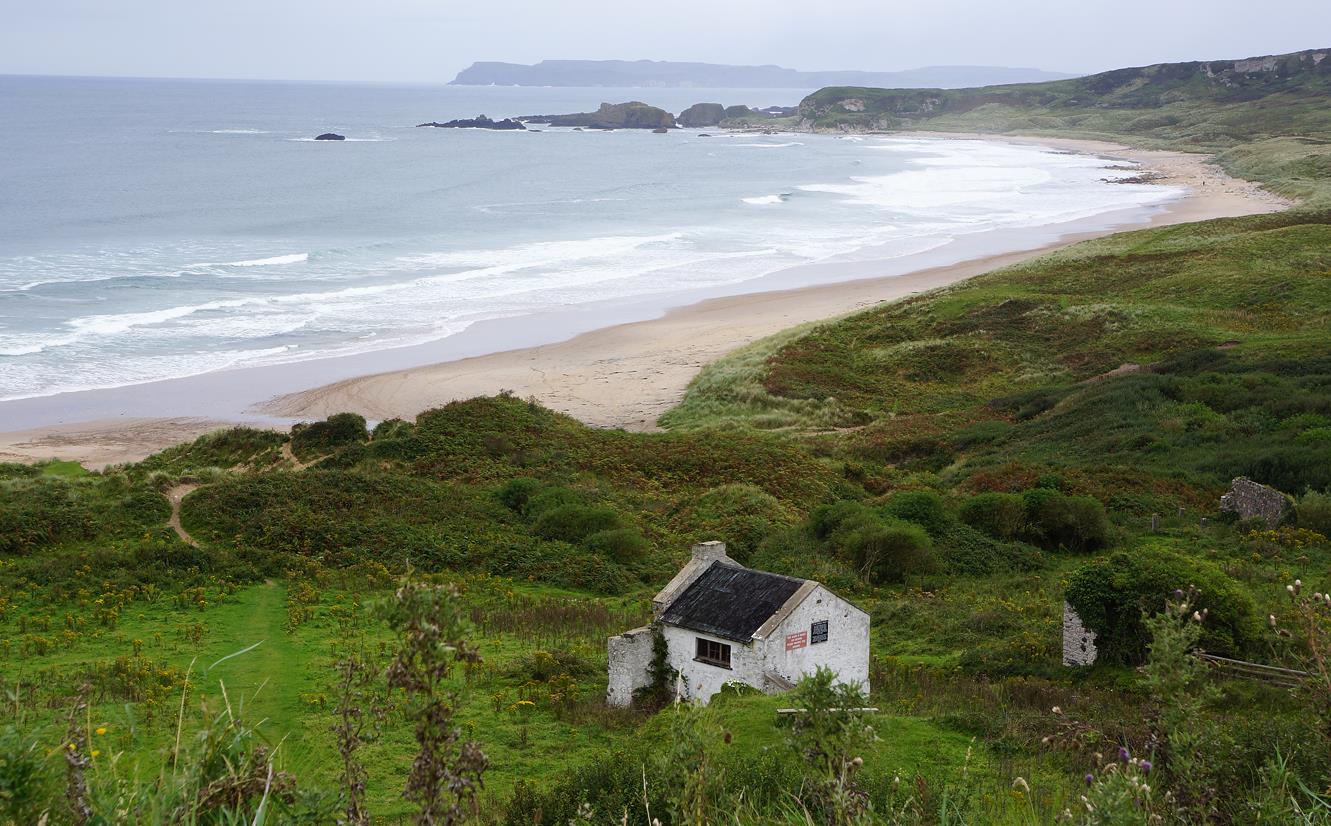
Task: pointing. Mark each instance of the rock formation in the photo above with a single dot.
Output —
(330, 136)
(478, 122)
(702, 114)
(632, 115)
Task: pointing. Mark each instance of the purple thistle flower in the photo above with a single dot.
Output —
(1145, 766)
(1123, 754)
(1090, 779)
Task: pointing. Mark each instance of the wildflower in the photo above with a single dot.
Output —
(1144, 765)
(96, 752)
(1271, 619)
(1058, 710)
(1123, 754)
(1090, 779)
(1196, 616)
(101, 729)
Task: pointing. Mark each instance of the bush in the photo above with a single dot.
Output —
(1077, 523)
(516, 493)
(574, 523)
(1111, 595)
(1001, 515)
(965, 550)
(620, 544)
(549, 498)
(923, 507)
(827, 519)
(319, 438)
(739, 515)
(887, 550)
(1313, 512)
(393, 429)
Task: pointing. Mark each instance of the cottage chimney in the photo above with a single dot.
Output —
(710, 551)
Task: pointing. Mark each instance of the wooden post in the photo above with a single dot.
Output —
(1155, 522)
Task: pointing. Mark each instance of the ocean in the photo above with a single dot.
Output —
(158, 229)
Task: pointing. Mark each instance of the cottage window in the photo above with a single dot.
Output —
(818, 632)
(713, 653)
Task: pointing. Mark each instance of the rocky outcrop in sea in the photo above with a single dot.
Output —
(631, 115)
(478, 122)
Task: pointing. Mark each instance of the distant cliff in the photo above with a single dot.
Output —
(1211, 104)
(665, 73)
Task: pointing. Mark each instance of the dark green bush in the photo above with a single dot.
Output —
(392, 429)
(964, 550)
(574, 523)
(548, 499)
(827, 519)
(623, 545)
(1313, 512)
(887, 550)
(43, 512)
(319, 438)
(1053, 520)
(516, 493)
(1112, 594)
(1001, 515)
(923, 507)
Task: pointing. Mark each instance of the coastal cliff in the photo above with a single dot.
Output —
(1208, 104)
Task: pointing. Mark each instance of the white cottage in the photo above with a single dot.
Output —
(725, 623)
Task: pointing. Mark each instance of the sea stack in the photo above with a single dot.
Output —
(331, 136)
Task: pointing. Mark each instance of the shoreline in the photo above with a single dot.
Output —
(627, 374)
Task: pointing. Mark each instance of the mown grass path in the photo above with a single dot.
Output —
(265, 684)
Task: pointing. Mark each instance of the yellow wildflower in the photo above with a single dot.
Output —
(101, 729)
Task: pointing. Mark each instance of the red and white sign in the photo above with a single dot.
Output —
(800, 640)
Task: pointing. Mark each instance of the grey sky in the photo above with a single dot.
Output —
(430, 40)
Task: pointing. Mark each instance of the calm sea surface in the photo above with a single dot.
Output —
(156, 229)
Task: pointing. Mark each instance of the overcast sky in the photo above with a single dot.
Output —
(431, 40)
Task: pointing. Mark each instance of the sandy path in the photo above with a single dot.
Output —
(628, 375)
(176, 496)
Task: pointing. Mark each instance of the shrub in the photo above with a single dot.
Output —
(739, 515)
(516, 493)
(887, 550)
(1001, 515)
(574, 523)
(964, 550)
(548, 498)
(923, 507)
(318, 438)
(1313, 512)
(1053, 520)
(393, 429)
(827, 519)
(620, 544)
(1112, 595)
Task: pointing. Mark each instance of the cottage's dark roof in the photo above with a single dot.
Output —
(730, 602)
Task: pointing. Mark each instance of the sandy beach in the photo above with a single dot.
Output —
(628, 375)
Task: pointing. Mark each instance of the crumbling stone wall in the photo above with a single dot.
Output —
(1251, 500)
(630, 658)
(1078, 640)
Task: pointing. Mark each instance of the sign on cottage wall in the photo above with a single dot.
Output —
(797, 640)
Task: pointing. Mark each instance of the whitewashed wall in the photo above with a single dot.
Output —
(699, 681)
(847, 648)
